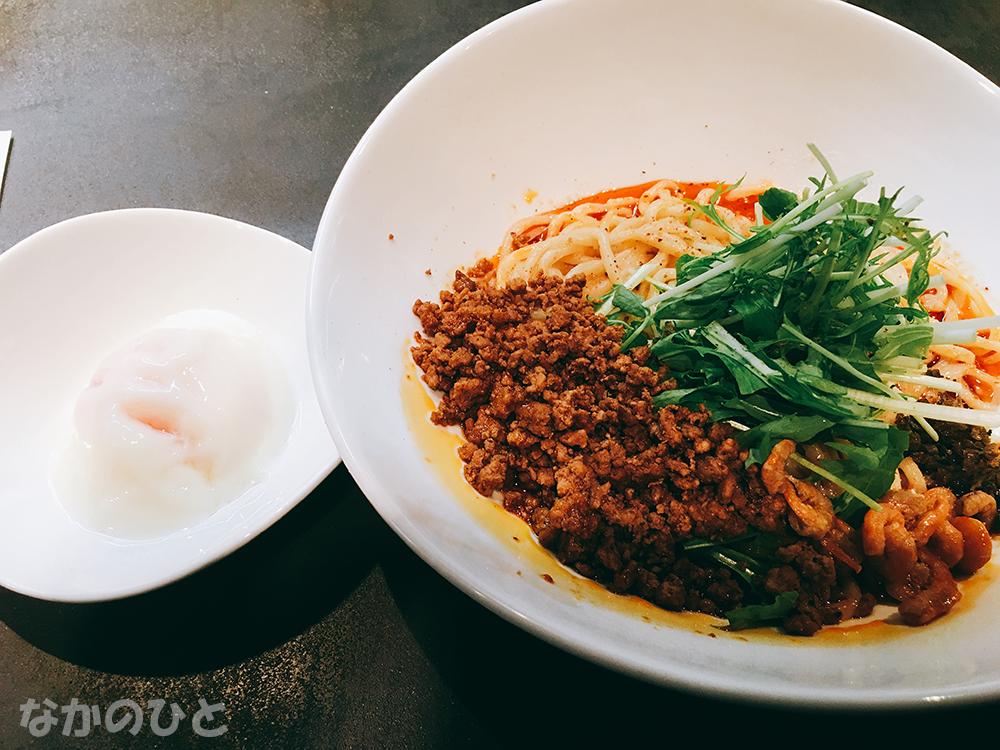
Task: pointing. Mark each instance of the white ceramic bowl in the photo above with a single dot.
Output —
(76, 291)
(566, 98)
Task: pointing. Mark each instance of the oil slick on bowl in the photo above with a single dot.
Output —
(440, 447)
(173, 426)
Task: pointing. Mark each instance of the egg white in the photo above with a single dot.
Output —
(173, 426)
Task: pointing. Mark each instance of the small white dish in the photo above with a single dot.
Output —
(76, 291)
(567, 98)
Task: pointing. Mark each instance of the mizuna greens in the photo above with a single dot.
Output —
(797, 332)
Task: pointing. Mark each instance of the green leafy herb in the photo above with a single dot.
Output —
(755, 615)
(776, 202)
(795, 332)
(749, 557)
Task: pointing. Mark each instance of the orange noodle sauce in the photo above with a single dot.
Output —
(439, 446)
(744, 205)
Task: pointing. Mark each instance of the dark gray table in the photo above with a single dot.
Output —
(326, 631)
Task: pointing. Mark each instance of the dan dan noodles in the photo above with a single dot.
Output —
(607, 237)
(768, 406)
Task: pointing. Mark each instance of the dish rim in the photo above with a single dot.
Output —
(188, 222)
(373, 489)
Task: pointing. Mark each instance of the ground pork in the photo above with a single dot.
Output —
(963, 458)
(560, 424)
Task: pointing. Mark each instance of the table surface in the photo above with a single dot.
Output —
(326, 630)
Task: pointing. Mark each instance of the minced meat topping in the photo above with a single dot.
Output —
(963, 457)
(561, 425)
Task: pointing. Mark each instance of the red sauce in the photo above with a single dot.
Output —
(633, 191)
(743, 206)
(982, 390)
